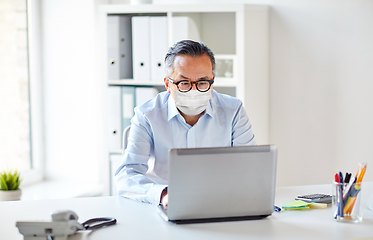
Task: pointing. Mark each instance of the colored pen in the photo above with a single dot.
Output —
(347, 190)
(336, 180)
(351, 198)
(357, 187)
(341, 179)
(347, 177)
(362, 172)
(277, 209)
(341, 206)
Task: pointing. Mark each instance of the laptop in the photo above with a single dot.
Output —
(220, 184)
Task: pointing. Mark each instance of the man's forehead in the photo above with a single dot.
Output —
(182, 58)
(182, 76)
(185, 62)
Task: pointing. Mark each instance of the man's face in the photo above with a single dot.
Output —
(189, 68)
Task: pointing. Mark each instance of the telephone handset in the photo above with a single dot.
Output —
(64, 216)
(63, 224)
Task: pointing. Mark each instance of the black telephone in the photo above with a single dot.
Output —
(63, 224)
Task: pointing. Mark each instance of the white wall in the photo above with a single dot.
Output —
(321, 83)
(321, 58)
(72, 96)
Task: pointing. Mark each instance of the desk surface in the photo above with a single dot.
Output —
(140, 221)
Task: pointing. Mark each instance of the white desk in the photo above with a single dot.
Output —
(140, 221)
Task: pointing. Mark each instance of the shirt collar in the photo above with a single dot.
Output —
(172, 110)
(209, 110)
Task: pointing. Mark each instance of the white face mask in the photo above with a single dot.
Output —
(193, 102)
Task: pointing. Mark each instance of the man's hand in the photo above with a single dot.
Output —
(164, 198)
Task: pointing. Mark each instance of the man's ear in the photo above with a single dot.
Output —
(166, 84)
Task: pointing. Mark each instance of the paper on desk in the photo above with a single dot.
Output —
(295, 205)
(318, 205)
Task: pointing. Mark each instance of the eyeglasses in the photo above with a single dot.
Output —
(186, 85)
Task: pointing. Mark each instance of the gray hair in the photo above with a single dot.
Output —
(187, 47)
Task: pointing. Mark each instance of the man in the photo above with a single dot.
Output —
(189, 115)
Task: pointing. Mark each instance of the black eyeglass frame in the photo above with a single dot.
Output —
(210, 81)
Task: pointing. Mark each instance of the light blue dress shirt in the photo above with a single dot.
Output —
(158, 126)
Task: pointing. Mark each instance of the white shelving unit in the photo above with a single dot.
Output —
(238, 30)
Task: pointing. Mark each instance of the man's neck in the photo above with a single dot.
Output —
(191, 120)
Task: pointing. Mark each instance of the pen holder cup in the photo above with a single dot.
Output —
(346, 205)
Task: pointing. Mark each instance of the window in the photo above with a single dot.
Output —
(19, 108)
(15, 150)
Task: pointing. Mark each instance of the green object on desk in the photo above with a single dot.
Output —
(296, 205)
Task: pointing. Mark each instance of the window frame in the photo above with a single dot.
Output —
(34, 34)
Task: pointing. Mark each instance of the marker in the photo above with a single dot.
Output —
(347, 190)
(341, 206)
(336, 180)
(341, 180)
(277, 209)
(347, 177)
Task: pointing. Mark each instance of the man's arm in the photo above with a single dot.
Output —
(242, 134)
(130, 176)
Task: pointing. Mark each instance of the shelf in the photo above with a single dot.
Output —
(174, 8)
(219, 82)
(118, 151)
(128, 82)
(225, 82)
